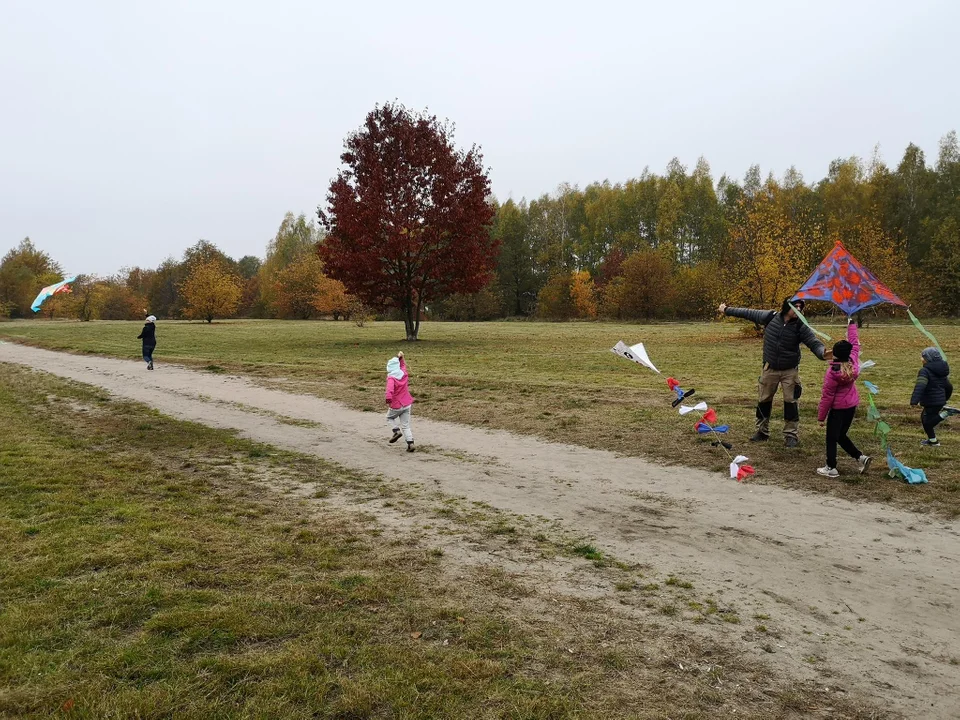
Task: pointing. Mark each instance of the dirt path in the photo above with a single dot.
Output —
(861, 594)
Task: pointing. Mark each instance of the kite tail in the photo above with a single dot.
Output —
(816, 332)
(921, 328)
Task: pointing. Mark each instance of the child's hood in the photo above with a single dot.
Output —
(393, 368)
(938, 368)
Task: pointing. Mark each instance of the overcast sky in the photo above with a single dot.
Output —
(130, 129)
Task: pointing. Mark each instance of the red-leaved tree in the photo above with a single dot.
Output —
(408, 216)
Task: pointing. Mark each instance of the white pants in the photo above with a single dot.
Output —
(399, 419)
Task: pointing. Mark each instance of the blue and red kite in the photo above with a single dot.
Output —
(842, 280)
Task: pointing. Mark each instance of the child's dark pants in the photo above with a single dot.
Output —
(838, 423)
(930, 419)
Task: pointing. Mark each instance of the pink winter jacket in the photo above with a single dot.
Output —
(398, 394)
(839, 392)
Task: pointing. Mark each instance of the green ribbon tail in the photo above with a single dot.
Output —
(816, 332)
(921, 328)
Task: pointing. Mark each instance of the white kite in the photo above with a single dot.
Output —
(699, 407)
(636, 353)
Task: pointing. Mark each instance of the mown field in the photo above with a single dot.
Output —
(151, 568)
(559, 381)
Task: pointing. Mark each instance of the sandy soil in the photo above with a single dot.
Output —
(862, 595)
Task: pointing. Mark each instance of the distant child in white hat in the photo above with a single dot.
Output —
(149, 337)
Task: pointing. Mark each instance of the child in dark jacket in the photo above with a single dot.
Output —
(149, 337)
(932, 391)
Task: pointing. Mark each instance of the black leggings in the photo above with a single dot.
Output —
(838, 423)
(930, 419)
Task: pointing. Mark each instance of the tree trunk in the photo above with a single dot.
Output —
(209, 319)
(408, 321)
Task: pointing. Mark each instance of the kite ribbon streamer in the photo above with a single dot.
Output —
(921, 328)
(816, 332)
(881, 430)
(898, 469)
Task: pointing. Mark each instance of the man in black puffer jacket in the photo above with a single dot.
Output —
(932, 391)
(782, 334)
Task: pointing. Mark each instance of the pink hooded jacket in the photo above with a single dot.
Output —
(398, 393)
(839, 392)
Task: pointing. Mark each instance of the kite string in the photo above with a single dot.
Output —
(715, 433)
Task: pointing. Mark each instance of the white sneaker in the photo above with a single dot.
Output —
(828, 472)
(864, 463)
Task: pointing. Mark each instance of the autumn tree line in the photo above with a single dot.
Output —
(676, 244)
(659, 246)
(203, 284)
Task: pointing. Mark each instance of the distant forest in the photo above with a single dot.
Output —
(659, 246)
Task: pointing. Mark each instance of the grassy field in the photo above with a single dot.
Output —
(145, 571)
(559, 381)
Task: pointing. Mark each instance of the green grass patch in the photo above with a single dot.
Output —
(549, 378)
(585, 550)
(143, 574)
(139, 577)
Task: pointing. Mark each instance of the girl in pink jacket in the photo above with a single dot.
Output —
(839, 402)
(399, 400)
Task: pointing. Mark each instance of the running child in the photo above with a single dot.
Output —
(932, 391)
(399, 400)
(149, 337)
(839, 401)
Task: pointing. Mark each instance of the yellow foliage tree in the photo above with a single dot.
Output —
(698, 290)
(867, 241)
(331, 298)
(771, 253)
(553, 300)
(295, 288)
(583, 295)
(647, 289)
(611, 298)
(210, 291)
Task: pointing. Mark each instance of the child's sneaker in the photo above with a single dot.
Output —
(948, 411)
(932, 442)
(828, 472)
(410, 446)
(864, 463)
(396, 436)
(150, 366)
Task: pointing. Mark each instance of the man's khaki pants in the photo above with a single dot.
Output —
(787, 380)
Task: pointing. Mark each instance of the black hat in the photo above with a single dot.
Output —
(842, 350)
(798, 304)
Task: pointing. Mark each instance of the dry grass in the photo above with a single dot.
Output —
(559, 381)
(144, 572)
